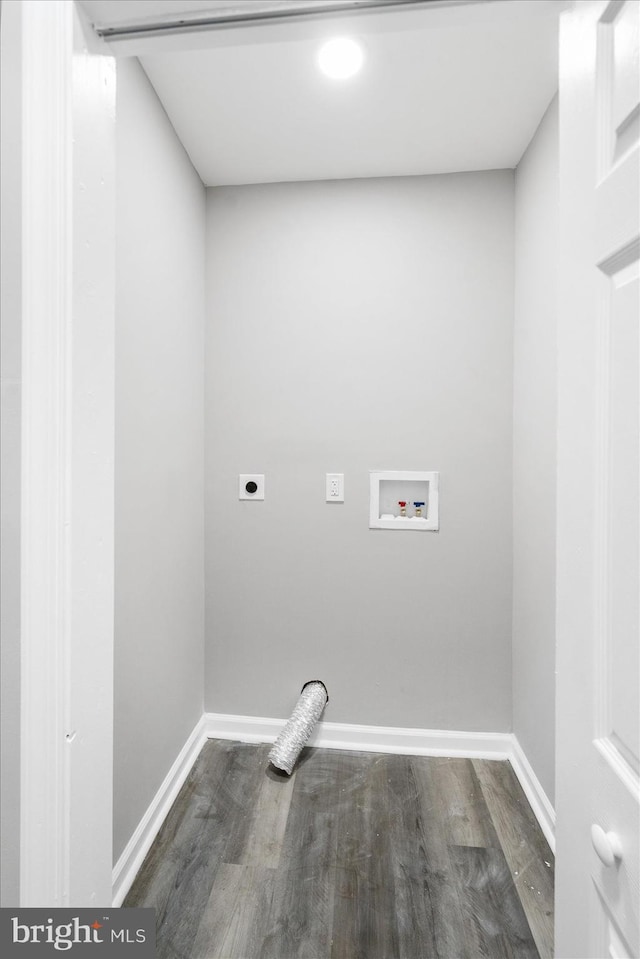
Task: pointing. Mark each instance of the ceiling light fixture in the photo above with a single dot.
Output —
(340, 58)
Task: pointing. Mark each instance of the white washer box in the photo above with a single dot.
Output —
(388, 487)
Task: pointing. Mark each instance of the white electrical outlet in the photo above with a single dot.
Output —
(335, 487)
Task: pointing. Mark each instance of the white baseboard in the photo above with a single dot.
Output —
(379, 739)
(148, 828)
(538, 800)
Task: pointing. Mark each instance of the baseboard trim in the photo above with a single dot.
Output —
(538, 800)
(148, 828)
(378, 739)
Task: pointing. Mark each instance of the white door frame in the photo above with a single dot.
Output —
(67, 533)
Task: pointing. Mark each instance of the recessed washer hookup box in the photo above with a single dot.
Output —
(404, 499)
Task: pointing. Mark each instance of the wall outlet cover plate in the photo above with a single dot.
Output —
(334, 488)
(248, 479)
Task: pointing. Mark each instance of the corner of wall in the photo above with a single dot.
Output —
(534, 449)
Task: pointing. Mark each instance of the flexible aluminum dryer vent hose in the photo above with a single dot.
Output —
(306, 714)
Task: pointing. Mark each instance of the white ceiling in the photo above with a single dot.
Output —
(443, 89)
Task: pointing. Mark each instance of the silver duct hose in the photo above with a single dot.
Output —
(306, 714)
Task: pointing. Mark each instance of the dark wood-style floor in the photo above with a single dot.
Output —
(356, 856)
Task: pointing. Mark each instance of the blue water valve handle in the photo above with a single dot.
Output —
(418, 504)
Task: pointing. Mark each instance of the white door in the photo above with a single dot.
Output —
(598, 798)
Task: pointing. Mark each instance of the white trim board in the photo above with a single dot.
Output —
(540, 803)
(47, 463)
(66, 98)
(149, 826)
(379, 739)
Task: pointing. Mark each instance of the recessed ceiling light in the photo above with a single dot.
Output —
(340, 58)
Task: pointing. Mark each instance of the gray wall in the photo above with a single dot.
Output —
(10, 446)
(534, 449)
(159, 449)
(357, 325)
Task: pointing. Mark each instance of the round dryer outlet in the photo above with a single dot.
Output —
(251, 486)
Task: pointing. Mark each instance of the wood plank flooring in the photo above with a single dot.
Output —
(355, 856)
